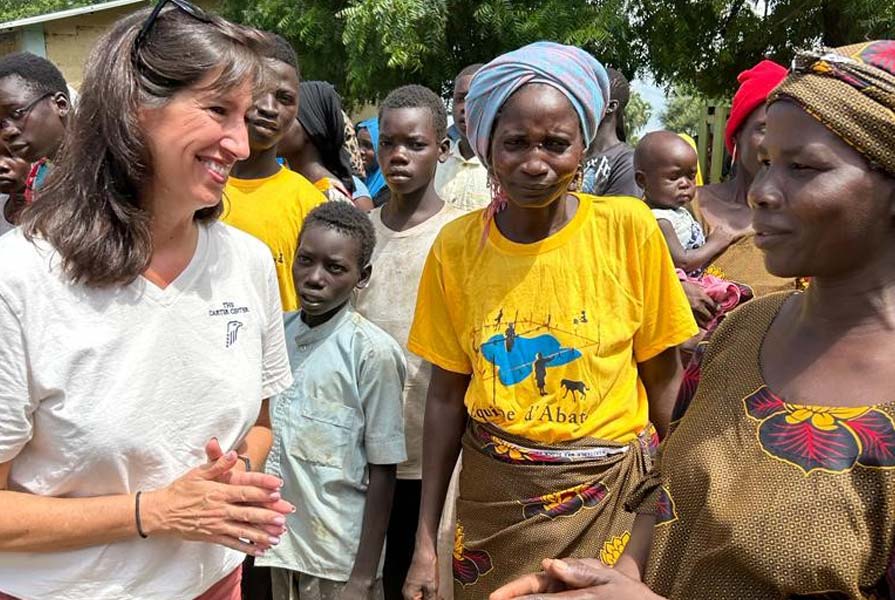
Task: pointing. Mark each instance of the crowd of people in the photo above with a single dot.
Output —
(250, 349)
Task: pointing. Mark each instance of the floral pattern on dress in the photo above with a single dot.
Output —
(880, 54)
(649, 440)
(504, 451)
(653, 443)
(468, 564)
(613, 549)
(822, 438)
(564, 503)
(716, 271)
(666, 511)
(689, 382)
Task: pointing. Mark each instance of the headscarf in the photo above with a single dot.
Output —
(578, 75)
(692, 144)
(375, 180)
(755, 85)
(320, 114)
(851, 90)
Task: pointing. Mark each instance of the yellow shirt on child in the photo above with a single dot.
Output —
(333, 190)
(552, 332)
(273, 209)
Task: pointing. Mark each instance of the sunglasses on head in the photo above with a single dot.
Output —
(184, 5)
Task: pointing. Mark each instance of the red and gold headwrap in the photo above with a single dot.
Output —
(851, 90)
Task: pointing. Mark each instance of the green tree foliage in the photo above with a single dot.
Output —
(637, 113)
(684, 110)
(706, 43)
(368, 47)
(310, 25)
(10, 10)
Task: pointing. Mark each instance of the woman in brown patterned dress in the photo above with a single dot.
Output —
(778, 479)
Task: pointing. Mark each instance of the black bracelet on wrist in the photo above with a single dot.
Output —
(246, 461)
(137, 516)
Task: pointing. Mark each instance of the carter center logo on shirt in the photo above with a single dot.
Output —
(232, 332)
(228, 309)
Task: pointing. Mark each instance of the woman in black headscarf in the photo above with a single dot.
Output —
(315, 145)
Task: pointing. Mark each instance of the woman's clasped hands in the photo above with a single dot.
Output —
(220, 503)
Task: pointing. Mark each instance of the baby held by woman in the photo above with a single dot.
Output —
(665, 168)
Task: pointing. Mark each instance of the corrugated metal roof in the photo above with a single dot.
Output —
(65, 14)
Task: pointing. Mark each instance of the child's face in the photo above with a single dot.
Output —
(458, 110)
(368, 152)
(31, 123)
(326, 269)
(670, 181)
(13, 172)
(275, 106)
(408, 148)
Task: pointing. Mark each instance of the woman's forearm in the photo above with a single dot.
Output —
(197, 506)
(256, 446)
(30, 523)
(633, 561)
(661, 376)
(257, 442)
(443, 427)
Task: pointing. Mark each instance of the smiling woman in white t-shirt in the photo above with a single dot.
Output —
(139, 337)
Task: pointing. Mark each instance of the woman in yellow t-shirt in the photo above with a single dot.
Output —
(552, 320)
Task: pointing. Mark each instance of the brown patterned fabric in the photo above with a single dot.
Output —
(521, 503)
(851, 90)
(351, 146)
(759, 499)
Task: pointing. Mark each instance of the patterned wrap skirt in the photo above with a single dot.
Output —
(521, 502)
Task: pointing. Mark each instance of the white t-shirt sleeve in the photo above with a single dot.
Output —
(16, 404)
(276, 373)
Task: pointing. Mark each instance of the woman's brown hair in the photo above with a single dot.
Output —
(90, 207)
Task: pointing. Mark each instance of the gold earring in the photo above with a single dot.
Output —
(578, 182)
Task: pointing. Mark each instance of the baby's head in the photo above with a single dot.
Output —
(665, 168)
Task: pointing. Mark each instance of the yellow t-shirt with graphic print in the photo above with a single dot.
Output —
(273, 209)
(552, 332)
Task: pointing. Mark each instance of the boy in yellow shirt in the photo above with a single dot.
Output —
(262, 197)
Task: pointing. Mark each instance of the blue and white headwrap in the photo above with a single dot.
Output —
(578, 75)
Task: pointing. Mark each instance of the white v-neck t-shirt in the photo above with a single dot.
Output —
(110, 391)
